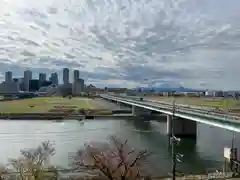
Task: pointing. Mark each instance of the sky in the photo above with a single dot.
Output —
(193, 43)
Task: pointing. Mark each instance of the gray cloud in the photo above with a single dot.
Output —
(192, 42)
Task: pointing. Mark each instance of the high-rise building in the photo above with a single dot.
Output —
(17, 82)
(27, 77)
(78, 87)
(75, 75)
(42, 77)
(65, 76)
(20, 82)
(8, 76)
(54, 78)
(34, 85)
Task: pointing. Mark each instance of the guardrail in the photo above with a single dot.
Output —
(187, 108)
(186, 111)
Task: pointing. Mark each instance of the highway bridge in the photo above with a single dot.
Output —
(185, 123)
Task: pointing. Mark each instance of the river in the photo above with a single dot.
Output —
(68, 136)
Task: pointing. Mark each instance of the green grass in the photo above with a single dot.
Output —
(41, 104)
(207, 102)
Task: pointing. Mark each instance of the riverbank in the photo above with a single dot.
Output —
(62, 116)
(44, 105)
(70, 115)
(59, 108)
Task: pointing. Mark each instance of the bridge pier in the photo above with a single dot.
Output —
(181, 127)
(140, 111)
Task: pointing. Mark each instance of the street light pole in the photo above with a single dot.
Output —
(175, 156)
(173, 141)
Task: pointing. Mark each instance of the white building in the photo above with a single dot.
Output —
(65, 76)
(8, 77)
(27, 77)
(78, 87)
(209, 93)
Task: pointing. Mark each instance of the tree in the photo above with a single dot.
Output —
(114, 161)
(31, 164)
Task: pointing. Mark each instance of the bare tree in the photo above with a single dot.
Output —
(31, 163)
(115, 161)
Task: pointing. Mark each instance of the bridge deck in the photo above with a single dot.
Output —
(211, 118)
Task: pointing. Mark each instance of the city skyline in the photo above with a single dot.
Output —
(38, 75)
(43, 84)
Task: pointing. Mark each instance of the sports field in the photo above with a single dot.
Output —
(42, 104)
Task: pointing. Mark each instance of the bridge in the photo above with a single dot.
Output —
(186, 118)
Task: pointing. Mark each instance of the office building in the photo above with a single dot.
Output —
(42, 77)
(78, 87)
(65, 76)
(27, 77)
(8, 77)
(9, 87)
(75, 75)
(34, 85)
(17, 81)
(54, 78)
(46, 83)
(20, 82)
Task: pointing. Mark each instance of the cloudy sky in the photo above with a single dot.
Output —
(194, 43)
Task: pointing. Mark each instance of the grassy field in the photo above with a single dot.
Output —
(42, 104)
(207, 102)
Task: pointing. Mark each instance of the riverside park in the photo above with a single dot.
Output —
(44, 104)
(54, 103)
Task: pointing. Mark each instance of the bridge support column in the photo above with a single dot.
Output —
(133, 110)
(181, 127)
(140, 111)
(119, 104)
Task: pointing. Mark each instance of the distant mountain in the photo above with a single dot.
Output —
(112, 86)
(167, 88)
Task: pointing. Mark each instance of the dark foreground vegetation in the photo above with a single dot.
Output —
(96, 161)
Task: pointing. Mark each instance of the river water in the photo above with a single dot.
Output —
(70, 135)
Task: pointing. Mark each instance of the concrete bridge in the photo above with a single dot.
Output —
(186, 118)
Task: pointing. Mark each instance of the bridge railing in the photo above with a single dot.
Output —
(188, 111)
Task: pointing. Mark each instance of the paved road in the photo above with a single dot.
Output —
(186, 108)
